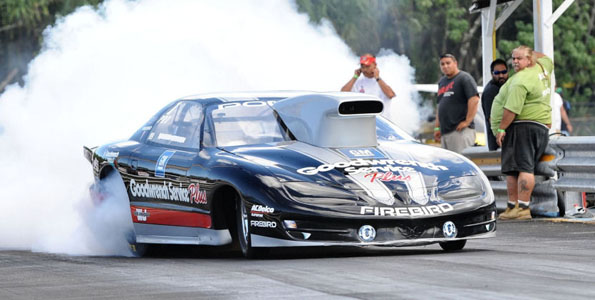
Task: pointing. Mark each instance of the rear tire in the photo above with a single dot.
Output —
(243, 232)
(453, 246)
(137, 249)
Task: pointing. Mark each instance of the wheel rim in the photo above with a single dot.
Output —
(244, 220)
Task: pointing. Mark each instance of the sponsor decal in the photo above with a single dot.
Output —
(171, 138)
(259, 210)
(362, 153)
(263, 224)
(196, 195)
(368, 166)
(406, 211)
(388, 176)
(246, 104)
(95, 165)
(168, 191)
(111, 156)
(141, 214)
(162, 163)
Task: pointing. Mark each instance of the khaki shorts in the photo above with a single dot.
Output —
(457, 141)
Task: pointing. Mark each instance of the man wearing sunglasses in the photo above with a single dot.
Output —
(499, 71)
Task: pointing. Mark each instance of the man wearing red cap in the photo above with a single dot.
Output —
(370, 83)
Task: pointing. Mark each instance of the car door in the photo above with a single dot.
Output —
(168, 206)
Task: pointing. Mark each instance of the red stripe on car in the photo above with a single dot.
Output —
(148, 215)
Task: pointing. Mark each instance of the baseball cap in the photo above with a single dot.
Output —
(367, 59)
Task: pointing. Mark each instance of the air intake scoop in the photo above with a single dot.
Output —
(335, 120)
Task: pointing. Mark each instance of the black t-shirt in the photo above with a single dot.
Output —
(487, 98)
(453, 95)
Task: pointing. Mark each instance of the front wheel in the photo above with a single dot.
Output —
(243, 232)
(453, 246)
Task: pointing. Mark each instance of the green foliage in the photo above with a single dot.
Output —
(423, 29)
(27, 13)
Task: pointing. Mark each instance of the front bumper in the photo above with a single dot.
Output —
(480, 223)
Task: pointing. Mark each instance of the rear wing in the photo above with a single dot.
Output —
(88, 153)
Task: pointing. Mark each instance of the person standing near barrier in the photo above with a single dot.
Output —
(559, 116)
(457, 105)
(499, 71)
(370, 83)
(521, 117)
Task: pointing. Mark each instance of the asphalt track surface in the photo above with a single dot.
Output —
(537, 259)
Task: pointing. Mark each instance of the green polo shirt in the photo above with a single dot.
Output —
(527, 94)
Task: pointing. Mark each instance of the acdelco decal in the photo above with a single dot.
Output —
(407, 211)
(368, 166)
(168, 191)
(259, 210)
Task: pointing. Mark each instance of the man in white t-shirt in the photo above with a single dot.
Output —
(558, 115)
(370, 83)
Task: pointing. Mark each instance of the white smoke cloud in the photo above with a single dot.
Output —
(102, 73)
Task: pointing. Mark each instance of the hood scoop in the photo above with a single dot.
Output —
(334, 120)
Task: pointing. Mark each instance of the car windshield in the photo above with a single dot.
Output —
(246, 123)
(255, 122)
(386, 130)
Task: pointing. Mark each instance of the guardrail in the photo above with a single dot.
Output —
(575, 164)
(544, 199)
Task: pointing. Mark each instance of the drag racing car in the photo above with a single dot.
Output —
(291, 169)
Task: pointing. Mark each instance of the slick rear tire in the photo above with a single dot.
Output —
(138, 249)
(453, 246)
(243, 231)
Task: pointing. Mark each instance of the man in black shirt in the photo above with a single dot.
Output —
(457, 105)
(499, 71)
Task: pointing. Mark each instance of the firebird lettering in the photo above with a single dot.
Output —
(406, 211)
(368, 166)
(168, 191)
(263, 224)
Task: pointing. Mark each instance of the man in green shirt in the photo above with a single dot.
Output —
(521, 117)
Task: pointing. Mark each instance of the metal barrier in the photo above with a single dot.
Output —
(544, 199)
(575, 164)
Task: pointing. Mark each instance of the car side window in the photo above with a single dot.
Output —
(179, 126)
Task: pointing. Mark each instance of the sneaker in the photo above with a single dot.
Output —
(523, 214)
(508, 213)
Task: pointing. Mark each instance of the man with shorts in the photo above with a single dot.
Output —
(457, 105)
(521, 117)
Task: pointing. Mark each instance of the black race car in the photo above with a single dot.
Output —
(288, 169)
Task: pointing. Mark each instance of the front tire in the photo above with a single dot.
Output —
(453, 246)
(243, 232)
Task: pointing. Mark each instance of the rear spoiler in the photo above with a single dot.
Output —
(88, 153)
